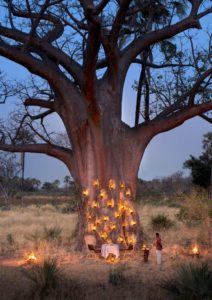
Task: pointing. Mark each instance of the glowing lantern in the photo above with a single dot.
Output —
(94, 204)
(102, 193)
(85, 192)
(130, 210)
(31, 258)
(89, 217)
(122, 185)
(94, 227)
(112, 184)
(98, 221)
(103, 235)
(120, 239)
(111, 258)
(105, 218)
(195, 251)
(110, 203)
(144, 247)
(96, 183)
(128, 193)
(113, 227)
(124, 224)
(117, 214)
(132, 240)
(133, 223)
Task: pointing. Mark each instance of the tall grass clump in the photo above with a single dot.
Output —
(52, 233)
(48, 282)
(116, 275)
(191, 282)
(161, 221)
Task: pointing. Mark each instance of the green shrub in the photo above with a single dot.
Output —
(52, 233)
(161, 221)
(194, 210)
(191, 282)
(10, 239)
(47, 282)
(116, 276)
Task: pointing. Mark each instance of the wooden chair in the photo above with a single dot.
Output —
(90, 242)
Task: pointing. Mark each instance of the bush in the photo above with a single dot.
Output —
(49, 283)
(116, 276)
(191, 282)
(194, 210)
(161, 221)
(52, 233)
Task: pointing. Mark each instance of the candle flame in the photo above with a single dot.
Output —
(31, 258)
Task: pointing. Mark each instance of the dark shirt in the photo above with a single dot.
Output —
(158, 244)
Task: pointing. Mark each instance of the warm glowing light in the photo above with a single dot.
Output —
(128, 193)
(105, 218)
(195, 250)
(110, 203)
(103, 235)
(112, 184)
(85, 192)
(122, 185)
(131, 240)
(102, 193)
(120, 239)
(113, 226)
(130, 211)
(96, 183)
(133, 223)
(94, 204)
(31, 258)
(98, 221)
(117, 214)
(111, 258)
(94, 227)
(124, 224)
(89, 217)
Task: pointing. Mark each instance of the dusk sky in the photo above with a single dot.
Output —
(164, 155)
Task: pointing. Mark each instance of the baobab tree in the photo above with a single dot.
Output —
(82, 51)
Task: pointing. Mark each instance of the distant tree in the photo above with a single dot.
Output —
(67, 181)
(30, 184)
(51, 186)
(201, 167)
(9, 170)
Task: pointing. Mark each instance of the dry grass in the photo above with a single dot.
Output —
(92, 274)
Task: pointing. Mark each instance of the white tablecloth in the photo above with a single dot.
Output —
(110, 248)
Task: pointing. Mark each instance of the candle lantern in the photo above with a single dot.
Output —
(96, 183)
(105, 218)
(94, 204)
(102, 193)
(117, 214)
(195, 252)
(145, 250)
(85, 192)
(122, 185)
(128, 192)
(110, 203)
(112, 184)
(133, 223)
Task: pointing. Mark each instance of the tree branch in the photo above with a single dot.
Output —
(39, 102)
(60, 153)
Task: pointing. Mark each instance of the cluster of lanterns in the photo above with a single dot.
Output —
(105, 207)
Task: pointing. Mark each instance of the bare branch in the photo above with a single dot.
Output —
(39, 102)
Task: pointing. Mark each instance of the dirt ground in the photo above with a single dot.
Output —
(141, 280)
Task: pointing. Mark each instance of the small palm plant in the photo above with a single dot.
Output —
(191, 282)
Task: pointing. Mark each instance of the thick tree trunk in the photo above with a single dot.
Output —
(106, 166)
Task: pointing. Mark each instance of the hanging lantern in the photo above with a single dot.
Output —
(94, 204)
(110, 203)
(122, 185)
(133, 223)
(117, 214)
(128, 192)
(105, 218)
(103, 235)
(124, 224)
(113, 226)
(112, 184)
(102, 193)
(120, 239)
(85, 192)
(130, 210)
(98, 221)
(94, 227)
(96, 183)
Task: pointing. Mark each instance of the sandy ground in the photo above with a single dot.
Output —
(142, 279)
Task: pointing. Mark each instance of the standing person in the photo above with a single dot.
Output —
(158, 245)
